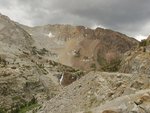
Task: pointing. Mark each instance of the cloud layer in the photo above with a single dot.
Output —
(128, 16)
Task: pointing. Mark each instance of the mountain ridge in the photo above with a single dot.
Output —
(68, 41)
(60, 69)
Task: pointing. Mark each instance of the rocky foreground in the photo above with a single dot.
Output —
(60, 69)
(98, 92)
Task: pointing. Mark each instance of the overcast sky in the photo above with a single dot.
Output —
(131, 17)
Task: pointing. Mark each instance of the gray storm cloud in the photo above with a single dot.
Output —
(128, 16)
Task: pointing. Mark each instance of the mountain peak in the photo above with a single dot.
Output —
(4, 17)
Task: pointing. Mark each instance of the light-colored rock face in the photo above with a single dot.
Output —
(105, 91)
(82, 47)
(26, 73)
(127, 104)
(12, 35)
(136, 61)
(29, 76)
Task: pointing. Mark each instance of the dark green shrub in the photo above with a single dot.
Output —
(144, 43)
(33, 101)
(113, 66)
(24, 107)
(2, 110)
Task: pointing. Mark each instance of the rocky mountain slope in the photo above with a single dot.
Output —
(13, 36)
(27, 75)
(40, 70)
(81, 47)
(106, 91)
(137, 61)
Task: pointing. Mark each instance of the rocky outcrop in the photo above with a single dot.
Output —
(13, 35)
(127, 104)
(67, 78)
(30, 77)
(136, 61)
(97, 89)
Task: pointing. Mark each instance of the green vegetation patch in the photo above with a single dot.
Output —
(28, 108)
(2, 110)
(23, 108)
(144, 43)
(113, 66)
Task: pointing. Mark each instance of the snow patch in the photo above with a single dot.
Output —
(50, 35)
(61, 79)
(98, 26)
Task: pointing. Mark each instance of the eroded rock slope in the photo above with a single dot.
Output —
(105, 91)
(82, 47)
(27, 75)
